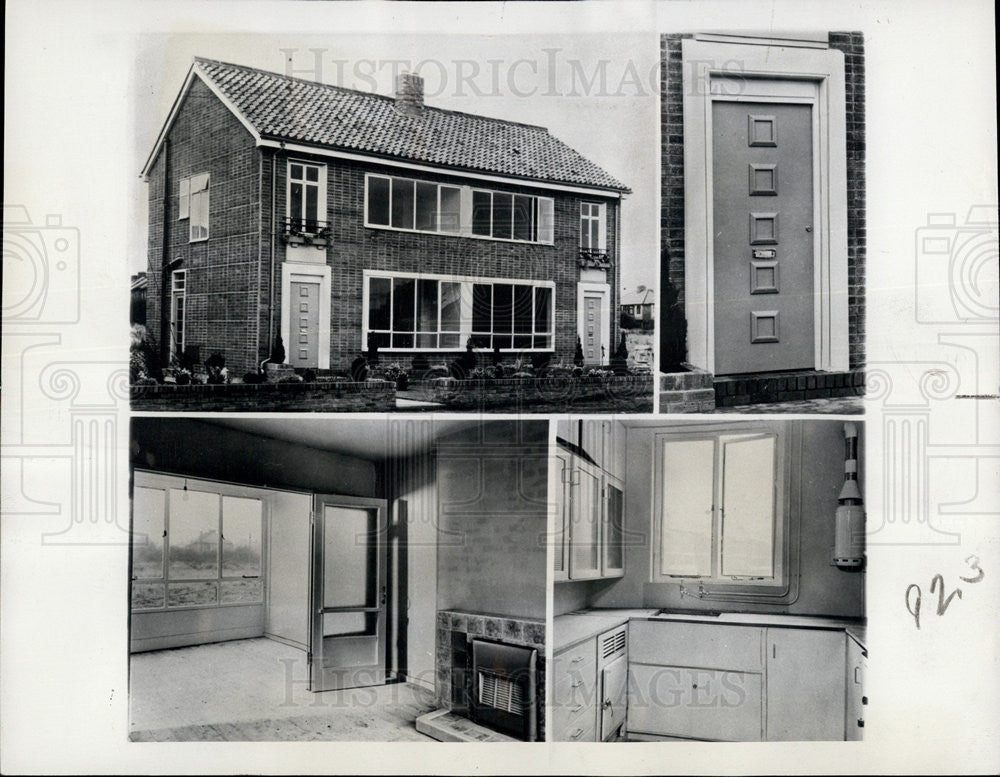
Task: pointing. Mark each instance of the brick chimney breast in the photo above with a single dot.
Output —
(410, 94)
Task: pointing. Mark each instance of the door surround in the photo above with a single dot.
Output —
(307, 273)
(722, 70)
(586, 289)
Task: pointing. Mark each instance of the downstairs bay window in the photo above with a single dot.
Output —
(411, 312)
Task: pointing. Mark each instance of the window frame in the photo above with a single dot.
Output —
(543, 235)
(178, 293)
(601, 220)
(186, 206)
(320, 167)
(746, 587)
(165, 483)
(465, 312)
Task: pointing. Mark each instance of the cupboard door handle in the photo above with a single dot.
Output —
(577, 660)
(577, 684)
(774, 650)
(857, 671)
(864, 699)
(576, 733)
(861, 723)
(577, 708)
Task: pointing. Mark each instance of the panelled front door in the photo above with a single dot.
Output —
(348, 595)
(593, 326)
(762, 182)
(303, 351)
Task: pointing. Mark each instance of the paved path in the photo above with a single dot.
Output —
(835, 406)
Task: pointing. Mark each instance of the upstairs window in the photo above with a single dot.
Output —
(193, 205)
(593, 229)
(720, 509)
(306, 197)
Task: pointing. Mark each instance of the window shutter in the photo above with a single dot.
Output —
(602, 228)
(185, 198)
(545, 220)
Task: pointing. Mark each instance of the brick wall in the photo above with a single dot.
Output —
(230, 284)
(366, 397)
(672, 171)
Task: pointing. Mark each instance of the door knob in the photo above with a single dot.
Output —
(809, 229)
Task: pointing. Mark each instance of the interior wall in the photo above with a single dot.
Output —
(492, 516)
(817, 473)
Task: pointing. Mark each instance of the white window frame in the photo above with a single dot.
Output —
(590, 212)
(320, 193)
(465, 319)
(186, 204)
(715, 582)
(159, 482)
(543, 210)
(178, 290)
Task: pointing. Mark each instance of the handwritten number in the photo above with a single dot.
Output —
(915, 609)
(937, 582)
(973, 562)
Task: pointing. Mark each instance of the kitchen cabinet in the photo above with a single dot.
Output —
(613, 528)
(612, 679)
(560, 466)
(585, 489)
(590, 688)
(857, 701)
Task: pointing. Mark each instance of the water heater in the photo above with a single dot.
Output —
(849, 539)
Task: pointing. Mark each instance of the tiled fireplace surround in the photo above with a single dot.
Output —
(455, 632)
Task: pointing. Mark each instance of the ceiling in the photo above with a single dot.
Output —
(373, 438)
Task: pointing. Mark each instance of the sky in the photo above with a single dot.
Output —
(597, 93)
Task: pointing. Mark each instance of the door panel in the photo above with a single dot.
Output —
(303, 351)
(593, 326)
(805, 685)
(585, 522)
(614, 683)
(348, 632)
(762, 181)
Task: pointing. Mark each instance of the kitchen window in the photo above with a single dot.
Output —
(411, 312)
(193, 205)
(195, 545)
(720, 507)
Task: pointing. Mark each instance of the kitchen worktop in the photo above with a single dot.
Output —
(575, 627)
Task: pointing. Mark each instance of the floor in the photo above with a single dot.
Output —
(255, 690)
(835, 406)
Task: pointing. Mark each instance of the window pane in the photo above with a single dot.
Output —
(312, 174)
(199, 215)
(427, 305)
(545, 219)
(522, 217)
(190, 594)
(450, 341)
(748, 507)
(543, 309)
(295, 203)
(403, 290)
(241, 536)
(312, 208)
(379, 293)
(350, 563)
(451, 306)
(543, 341)
(241, 591)
(147, 596)
(595, 242)
(378, 201)
(148, 506)
(503, 307)
(427, 206)
(402, 203)
(296, 172)
(482, 213)
(503, 207)
(482, 307)
(402, 340)
(686, 512)
(451, 209)
(193, 535)
(522, 308)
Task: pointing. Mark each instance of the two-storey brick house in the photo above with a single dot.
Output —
(342, 219)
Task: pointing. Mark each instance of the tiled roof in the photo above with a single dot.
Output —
(293, 109)
(640, 296)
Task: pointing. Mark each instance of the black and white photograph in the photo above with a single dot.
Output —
(381, 223)
(718, 595)
(337, 579)
(762, 265)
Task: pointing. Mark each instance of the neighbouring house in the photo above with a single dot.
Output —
(344, 221)
(639, 304)
(137, 299)
(763, 210)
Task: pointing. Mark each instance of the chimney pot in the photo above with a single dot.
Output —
(410, 94)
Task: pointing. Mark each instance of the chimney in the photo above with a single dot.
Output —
(410, 95)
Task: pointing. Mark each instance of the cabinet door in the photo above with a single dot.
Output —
(560, 472)
(805, 684)
(592, 439)
(614, 450)
(856, 698)
(612, 701)
(613, 529)
(585, 522)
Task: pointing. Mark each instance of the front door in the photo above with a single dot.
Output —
(303, 351)
(347, 647)
(762, 182)
(593, 327)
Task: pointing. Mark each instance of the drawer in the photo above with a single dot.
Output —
(695, 703)
(708, 645)
(581, 731)
(575, 687)
(579, 714)
(580, 659)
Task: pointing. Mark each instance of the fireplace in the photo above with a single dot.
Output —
(505, 688)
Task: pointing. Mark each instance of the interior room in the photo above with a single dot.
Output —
(337, 579)
(709, 580)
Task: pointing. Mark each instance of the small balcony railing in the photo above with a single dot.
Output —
(299, 231)
(593, 258)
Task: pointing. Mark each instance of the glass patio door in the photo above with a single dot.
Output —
(348, 613)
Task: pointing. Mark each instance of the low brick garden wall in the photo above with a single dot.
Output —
(373, 396)
(618, 394)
